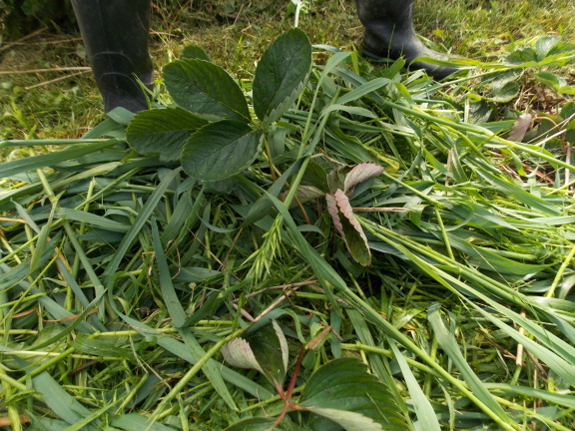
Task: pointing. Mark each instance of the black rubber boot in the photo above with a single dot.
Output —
(389, 33)
(115, 34)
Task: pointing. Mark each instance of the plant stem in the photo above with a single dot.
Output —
(559, 274)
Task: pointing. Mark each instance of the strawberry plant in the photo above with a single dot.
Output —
(211, 130)
(341, 390)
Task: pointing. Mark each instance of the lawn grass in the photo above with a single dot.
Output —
(477, 29)
(466, 310)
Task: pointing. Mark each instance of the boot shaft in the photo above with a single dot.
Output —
(389, 33)
(386, 15)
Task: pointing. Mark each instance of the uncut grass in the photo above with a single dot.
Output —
(112, 365)
(235, 39)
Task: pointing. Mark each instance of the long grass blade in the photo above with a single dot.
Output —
(423, 409)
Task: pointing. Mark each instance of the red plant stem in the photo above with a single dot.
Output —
(281, 392)
(294, 376)
(287, 396)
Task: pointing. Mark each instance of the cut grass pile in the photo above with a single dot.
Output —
(121, 278)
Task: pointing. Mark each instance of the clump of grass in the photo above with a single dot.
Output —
(120, 277)
(98, 251)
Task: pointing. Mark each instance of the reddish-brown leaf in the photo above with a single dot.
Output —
(348, 226)
(520, 128)
(360, 173)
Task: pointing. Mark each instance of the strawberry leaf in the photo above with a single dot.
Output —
(360, 173)
(520, 128)
(220, 150)
(265, 350)
(238, 353)
(281, 75)
(163, 132)
(271, 351)
(343, 391)
(206, 90)
(349, 228)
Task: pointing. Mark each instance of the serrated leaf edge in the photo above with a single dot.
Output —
(361, 173)
(276, 113)
(210, 117)
(339, 203)
(246, 165)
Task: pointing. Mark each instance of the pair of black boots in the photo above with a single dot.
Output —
(115, 33)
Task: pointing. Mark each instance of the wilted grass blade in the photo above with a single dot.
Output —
(11, 276)
(105, 127)
(183, 351)
(55, 309)
(40, 245)
(62, 404)
(553, 361)
(532, 393)
(91, 220)
(353, 110)
(491, 261)
(181, 214)
(528, 199)
(63, 268)
(363, 89)
(76, 323)
(85, 421)
(26, 217)
(375, 360)
(81, 255)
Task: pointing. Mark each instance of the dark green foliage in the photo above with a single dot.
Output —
(220, 150)
(19, 18)
(206, 90)
(231, 142)
(163, 131)
(281, 74)
(343, 385)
